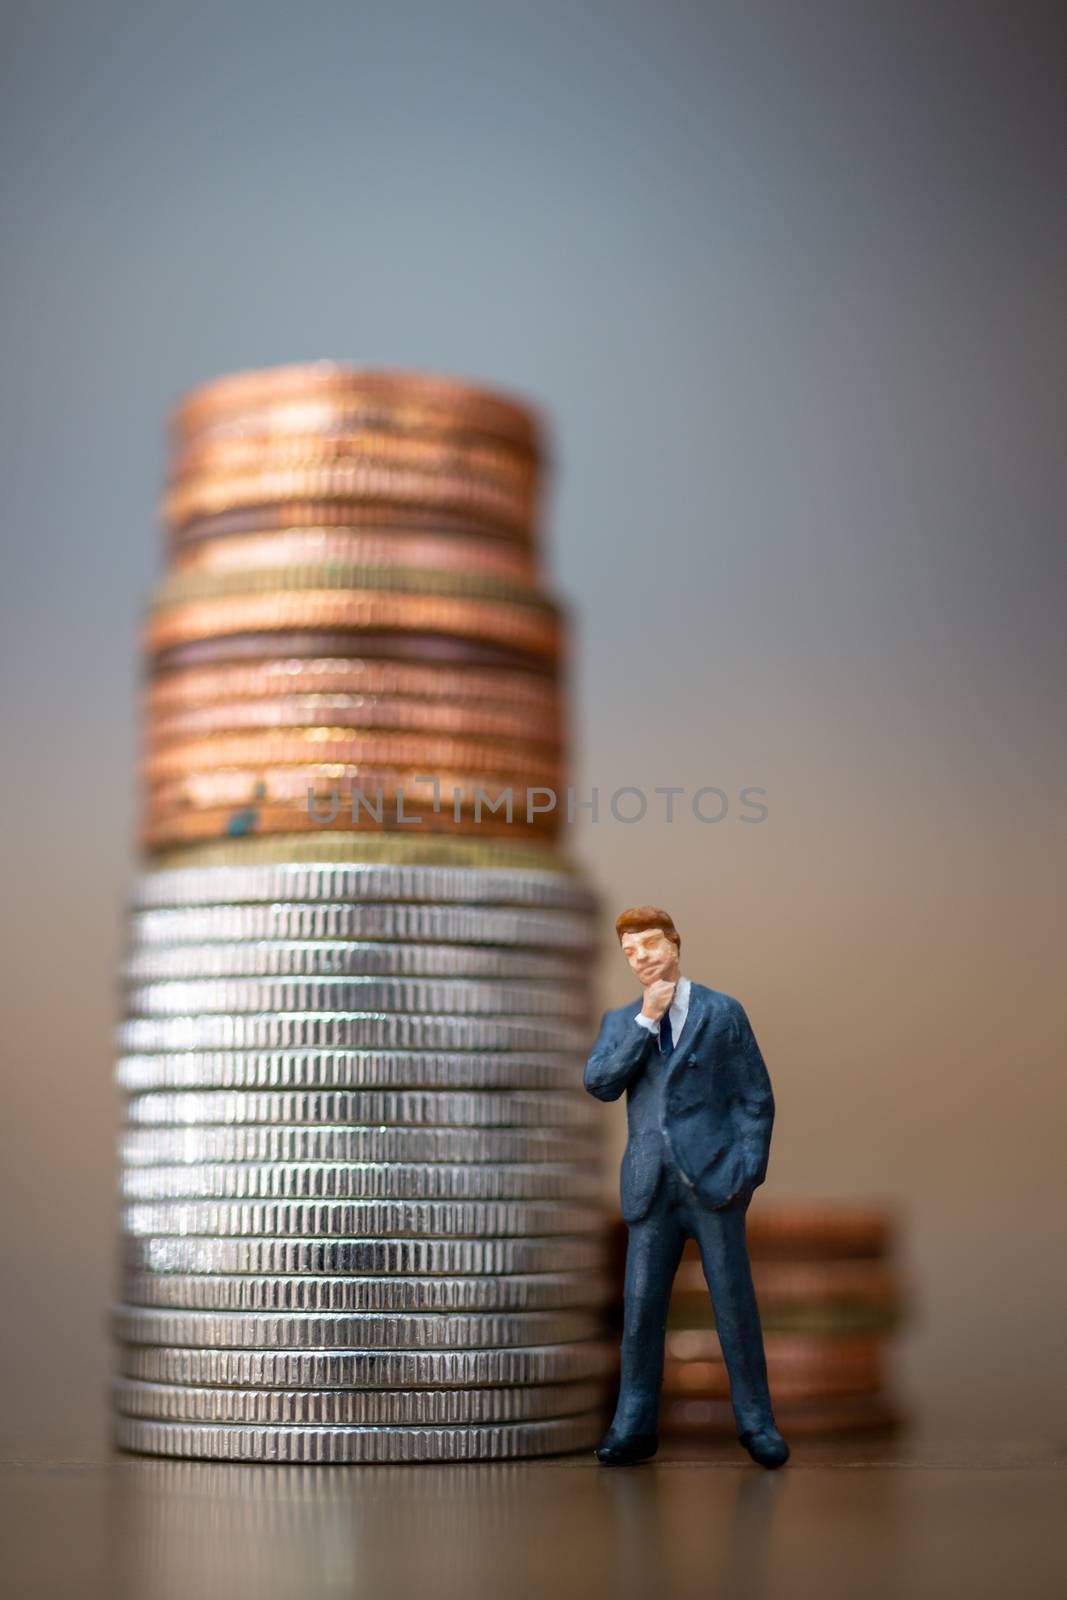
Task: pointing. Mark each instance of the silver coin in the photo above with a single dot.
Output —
(554, 931)
(539, 1291)
(369, 1069)
(313, 1219)
(325, 958)
(462, 997)
(367, 1369)
(346, 1408)
(151, 1147)
(327, 1180)
(353, 1107)
(301, 1030)
(203, 886)
(497, 1442)
(455, 1258)
(351, 1330)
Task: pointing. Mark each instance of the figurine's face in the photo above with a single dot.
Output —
(651, 955)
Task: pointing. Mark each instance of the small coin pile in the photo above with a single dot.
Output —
(360, 1178)
(830, 1297)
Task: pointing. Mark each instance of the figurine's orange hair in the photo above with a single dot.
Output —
(639, 918)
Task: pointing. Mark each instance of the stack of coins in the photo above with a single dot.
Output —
(359, 1174)
(352, 608)
(830, 1297)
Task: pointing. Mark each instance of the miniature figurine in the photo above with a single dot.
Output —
(699, 1109)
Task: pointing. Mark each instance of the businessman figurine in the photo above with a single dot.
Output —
(699, 1109)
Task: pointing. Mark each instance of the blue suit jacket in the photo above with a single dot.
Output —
(712, 1117)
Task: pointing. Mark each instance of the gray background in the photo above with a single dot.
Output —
(789, 282)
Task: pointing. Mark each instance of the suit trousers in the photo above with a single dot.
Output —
(652, 1257)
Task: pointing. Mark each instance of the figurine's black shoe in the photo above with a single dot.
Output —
(767, 1447)
(622, 1450)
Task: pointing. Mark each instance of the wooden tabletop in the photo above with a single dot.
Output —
(901, 1518)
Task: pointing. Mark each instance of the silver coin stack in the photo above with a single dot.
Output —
(359, 1174)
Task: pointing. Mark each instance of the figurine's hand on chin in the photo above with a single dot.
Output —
(658, 997)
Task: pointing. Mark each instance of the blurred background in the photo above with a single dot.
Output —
(789, 284)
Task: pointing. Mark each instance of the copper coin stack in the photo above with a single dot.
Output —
(353, 603)
(831, 1297)
(359, 1173)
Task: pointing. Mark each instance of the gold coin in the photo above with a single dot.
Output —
(520, 627)
(379, 517)
(325, 745)
(708, 1381)
(473, 718)
(182, 688)
(181, 588)
(396, 394)
(235, 822)
(384, 644)
(324, 546)
(207, 495)
(237, 786)
(825, 1415)
(820, 1229)
(487, 463)
(323, 416)
(342, 845)
(325, 419)
(807, 1283)
(785, 1352)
